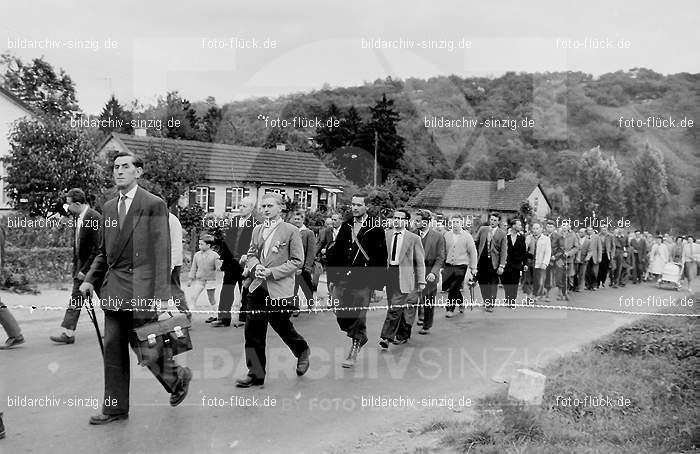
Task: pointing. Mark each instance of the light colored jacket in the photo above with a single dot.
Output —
(544, 251)
(411, 259)
(284, 258)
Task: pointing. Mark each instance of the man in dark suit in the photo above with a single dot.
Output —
(515, 262)
(639, 250)
(304, 275)
(607, 261)
(236, 241)
(434, 247)
(492, 250)
(132, 271)
(86, 246)
(356, 266)
(327, 236)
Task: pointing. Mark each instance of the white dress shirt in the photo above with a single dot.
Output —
(399, 242)
(175, 241)
(129, 198)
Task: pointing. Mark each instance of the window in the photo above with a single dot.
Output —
(303, 198)
(201, 197)
(234, 198)
(281, 192)
(204, 197)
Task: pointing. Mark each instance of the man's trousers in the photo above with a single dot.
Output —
(399, 320)
(277, 313)
(228, 294)
(8, 322)
(428, 303)
(452, 280)
(351, 313)
(119, 326)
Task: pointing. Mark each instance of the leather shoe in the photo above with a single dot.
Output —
(63, 339)
(248, 382)
(101, 419)
(303, 362)
(238, 324)
(12, 341)
(181, 392)
(210, 320)
(220, 324)
(424, 331)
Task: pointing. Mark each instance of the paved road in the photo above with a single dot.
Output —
(323, 411)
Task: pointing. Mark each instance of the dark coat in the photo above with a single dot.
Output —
(347, 266)
(499, 246)
(88, 242)
(132, 269)
(235, 243)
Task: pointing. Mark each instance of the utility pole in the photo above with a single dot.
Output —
(376, 145)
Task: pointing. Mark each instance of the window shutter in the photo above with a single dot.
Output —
(193, 197)
(229, 199)
(246, 192)
(297, 195)
(211, 199)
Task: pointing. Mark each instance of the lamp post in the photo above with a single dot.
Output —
(376, 145)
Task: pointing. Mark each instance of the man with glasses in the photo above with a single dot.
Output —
(405, 278)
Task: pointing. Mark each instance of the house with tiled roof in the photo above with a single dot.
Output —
(233, 172)
(475, 199)
(12, 108)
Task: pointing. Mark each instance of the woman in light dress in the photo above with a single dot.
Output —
(658, 257)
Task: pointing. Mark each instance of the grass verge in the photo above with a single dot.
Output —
(634, 391)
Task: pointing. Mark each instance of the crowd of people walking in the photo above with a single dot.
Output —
(136, 256)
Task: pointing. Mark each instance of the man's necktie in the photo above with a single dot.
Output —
(122, 210)
(393, 246)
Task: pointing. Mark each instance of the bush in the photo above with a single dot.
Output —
(59, 234)
(46, 264)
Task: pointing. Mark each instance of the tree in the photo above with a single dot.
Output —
(328, 137)
(115, 112)
(598, 186)
(46, 159)
(647, 188)
(210, 123)
(382, 128)
(171, 172)
(37, 84)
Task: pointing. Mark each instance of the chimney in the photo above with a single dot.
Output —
(140, 132)
(500, 184)
(281, 147)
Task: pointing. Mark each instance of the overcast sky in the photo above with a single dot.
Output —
(164, 45)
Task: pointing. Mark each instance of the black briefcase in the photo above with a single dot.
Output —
(154, 338)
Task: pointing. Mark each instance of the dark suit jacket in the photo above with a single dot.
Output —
(607, 242)
(325, 240)
(235, 243)
(347, 265)
(88, 242)
(640, 247)
(132, 269)
(517, 253)
(434, 247)
(499, 245)
(308, 241)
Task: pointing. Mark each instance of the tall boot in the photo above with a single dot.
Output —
(349, 362)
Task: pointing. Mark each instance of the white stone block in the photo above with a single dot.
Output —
(528, 386)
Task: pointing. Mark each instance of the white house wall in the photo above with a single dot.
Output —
(539, 203)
